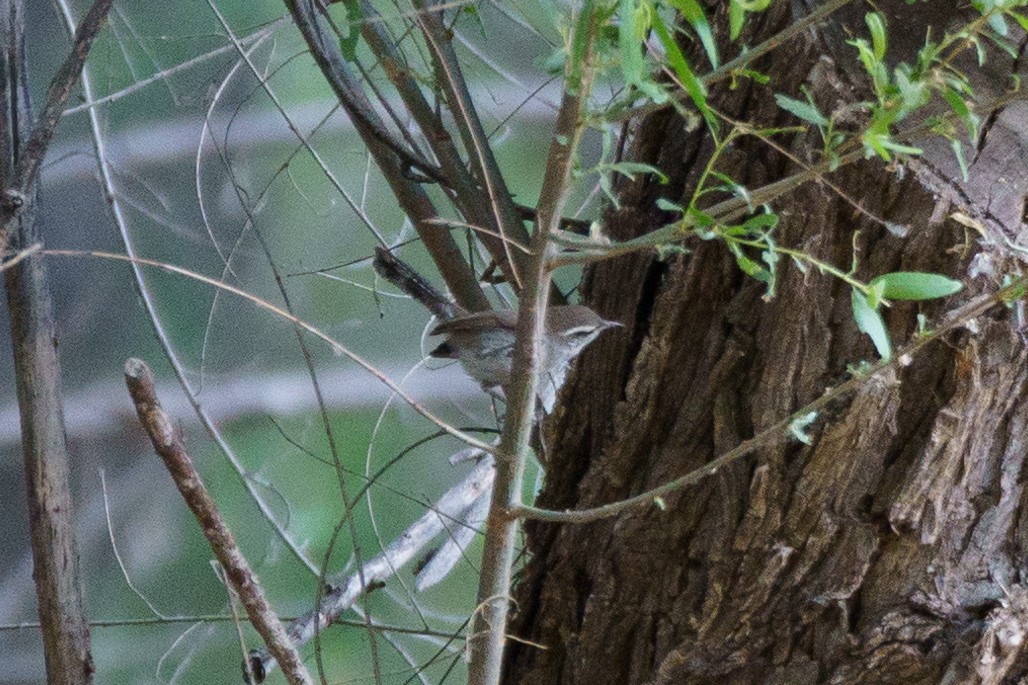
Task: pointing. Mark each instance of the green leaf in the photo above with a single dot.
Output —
(693, 13)
(628, 40)
(758, 223)
(668, 206)
(693, 85)
(1020, 19)
(354, 17)
(876, 25)
(749, 266)
(736, 18)
(806, 111)
(915, 285)
(958, 150)
(869, 321)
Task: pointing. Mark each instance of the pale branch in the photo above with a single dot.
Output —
(18, 186)
(488, 633)
(775, 432)
(168, 443)
(450, 507)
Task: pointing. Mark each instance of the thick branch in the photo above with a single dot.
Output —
(61, 607)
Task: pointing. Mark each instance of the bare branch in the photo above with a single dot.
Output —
(167, 442)
(392, 158)
(438, 519)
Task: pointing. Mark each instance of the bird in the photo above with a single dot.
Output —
(483, 342)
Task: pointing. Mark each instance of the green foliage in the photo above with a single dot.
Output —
(354, 17)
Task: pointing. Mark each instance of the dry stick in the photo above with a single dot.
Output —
(768, 436)
(60, 604)
(448, 508)
(488, 635)
(167, 442)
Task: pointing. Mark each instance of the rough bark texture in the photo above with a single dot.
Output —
(891, 549)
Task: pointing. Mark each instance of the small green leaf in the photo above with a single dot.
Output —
(875, 294)
(694, 14)
(806, 111)
(869, 321)
(876, 25)
(1020, 19)
(736, 18)
(354, 17)
(958, 150)
(749, 266)
(758, 223)
(693, 85)
(915, 285)
(628, 40)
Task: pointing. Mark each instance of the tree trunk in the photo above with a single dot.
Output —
(887, 551)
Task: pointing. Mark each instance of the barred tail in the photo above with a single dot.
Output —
(404, 277)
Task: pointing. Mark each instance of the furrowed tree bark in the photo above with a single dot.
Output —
(891, 549)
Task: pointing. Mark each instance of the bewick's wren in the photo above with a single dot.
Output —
(483, 342)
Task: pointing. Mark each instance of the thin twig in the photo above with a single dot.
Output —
(392, 158)
(776, 431)
(113, 202)
(336, 346)
(588, 250)
(168, 444)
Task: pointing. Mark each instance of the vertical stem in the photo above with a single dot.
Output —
(61, 606)
(488, 635)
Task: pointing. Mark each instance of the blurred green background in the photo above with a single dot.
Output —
(188, 150)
